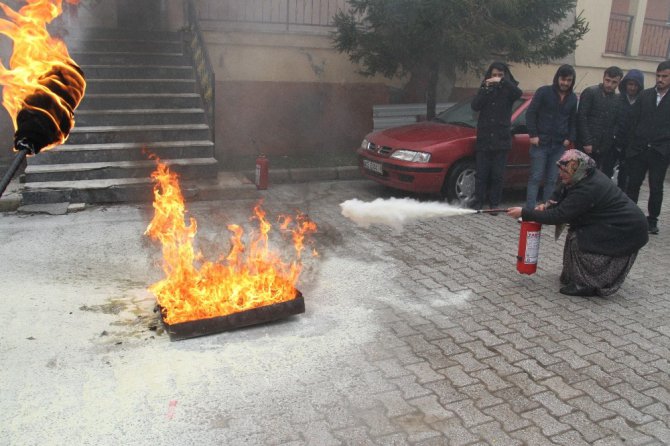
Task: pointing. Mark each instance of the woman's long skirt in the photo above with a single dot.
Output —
(603, 273)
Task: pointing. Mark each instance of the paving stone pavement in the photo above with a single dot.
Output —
(427, 336)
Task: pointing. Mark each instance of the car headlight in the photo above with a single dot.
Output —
(365, 144)
(411, 156)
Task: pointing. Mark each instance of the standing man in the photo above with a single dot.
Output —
(648, 148)
(630, 88)
(596, 120)
(552, 125)
(494, 102)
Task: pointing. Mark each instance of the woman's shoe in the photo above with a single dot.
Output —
(576, 290)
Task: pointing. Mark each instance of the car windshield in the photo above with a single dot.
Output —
(460, 114)
(463, 115)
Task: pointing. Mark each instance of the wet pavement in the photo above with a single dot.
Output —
(426, 336)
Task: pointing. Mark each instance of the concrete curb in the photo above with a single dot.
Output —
(227, 186)
(302, 175)
(11, 199)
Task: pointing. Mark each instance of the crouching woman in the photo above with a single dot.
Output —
(606, 229)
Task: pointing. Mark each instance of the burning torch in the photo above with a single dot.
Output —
(43, 86)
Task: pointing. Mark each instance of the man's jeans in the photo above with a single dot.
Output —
(637, 167)
(543, 166)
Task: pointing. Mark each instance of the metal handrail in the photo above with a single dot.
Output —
(203, 67)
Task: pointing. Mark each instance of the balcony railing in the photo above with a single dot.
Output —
(655, 41)
(618, 34)
(283, 13)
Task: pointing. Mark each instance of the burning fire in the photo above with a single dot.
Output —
(43, 85)
(250, 276)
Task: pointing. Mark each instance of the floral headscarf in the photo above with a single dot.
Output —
(577, 164)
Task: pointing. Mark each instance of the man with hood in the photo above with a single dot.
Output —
(494, 102)
(630, 88)
(648, 148)
(596, 120)
(552, 126)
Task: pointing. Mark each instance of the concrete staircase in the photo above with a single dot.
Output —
(141, 97)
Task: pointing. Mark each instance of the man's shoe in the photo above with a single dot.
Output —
(576, 290)
(653, 229)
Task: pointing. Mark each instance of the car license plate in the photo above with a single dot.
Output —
(375, 167)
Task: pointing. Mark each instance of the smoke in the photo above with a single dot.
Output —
(396, 212)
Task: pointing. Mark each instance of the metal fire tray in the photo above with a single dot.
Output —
(260, 315)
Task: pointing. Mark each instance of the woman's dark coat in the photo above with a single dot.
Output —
(606, 221)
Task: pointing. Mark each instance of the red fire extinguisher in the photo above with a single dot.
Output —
(529, 247)
(262, 172)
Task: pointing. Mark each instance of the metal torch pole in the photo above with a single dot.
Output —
(18, 159)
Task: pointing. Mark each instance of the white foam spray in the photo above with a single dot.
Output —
(396, 212)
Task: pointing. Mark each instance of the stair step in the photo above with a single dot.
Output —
(138, 71)
(121, 58)
(116, 190)
(126, 86)
(124, 45)
(85, 153)
(143, 101)
(128, 190)
(140, 116)
(140, 35)
(187, 168)
(138, 133)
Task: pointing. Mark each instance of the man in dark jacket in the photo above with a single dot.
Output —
(630, 88)
(494, 102)
(648, 148)
(552, 125)
(596, 120)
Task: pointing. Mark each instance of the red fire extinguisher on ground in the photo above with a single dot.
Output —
(529, 247)
(262, 172)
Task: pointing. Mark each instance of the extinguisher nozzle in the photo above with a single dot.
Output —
(490, 211)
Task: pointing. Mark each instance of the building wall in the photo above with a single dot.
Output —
(288, 94)
(286, 91)
(590, 56)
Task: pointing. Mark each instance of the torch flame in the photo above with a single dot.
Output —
(250, 276)
(42, 78)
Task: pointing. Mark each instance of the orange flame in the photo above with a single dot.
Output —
(250, 276)
(40, 67)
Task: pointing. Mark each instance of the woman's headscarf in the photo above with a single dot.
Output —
(577, 164)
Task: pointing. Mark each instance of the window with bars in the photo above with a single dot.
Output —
(654, 30)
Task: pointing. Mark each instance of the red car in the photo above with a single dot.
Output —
(438, 157)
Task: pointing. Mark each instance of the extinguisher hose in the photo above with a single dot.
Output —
(490, 211)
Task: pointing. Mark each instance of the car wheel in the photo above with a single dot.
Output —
(459, 185)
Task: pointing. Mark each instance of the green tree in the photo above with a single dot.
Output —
(426, 38)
